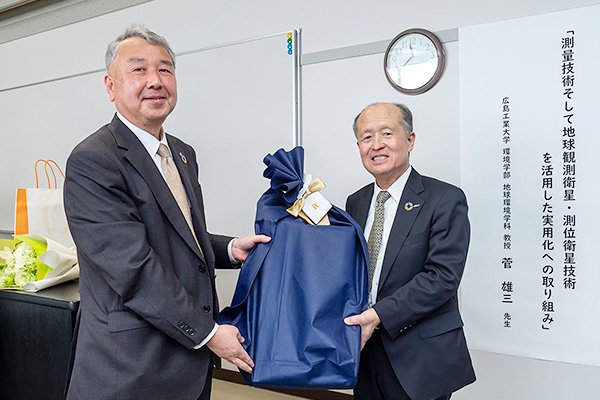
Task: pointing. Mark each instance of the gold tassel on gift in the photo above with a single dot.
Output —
(296, 209)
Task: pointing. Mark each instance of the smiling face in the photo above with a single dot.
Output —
(383, 144)
(141, 81)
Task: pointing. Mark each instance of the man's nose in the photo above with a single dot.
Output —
(153, 79)
(377, 141)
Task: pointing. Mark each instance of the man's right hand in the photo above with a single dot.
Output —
(227, 344)
(368, 321)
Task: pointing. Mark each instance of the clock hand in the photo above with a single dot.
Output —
(407, 60)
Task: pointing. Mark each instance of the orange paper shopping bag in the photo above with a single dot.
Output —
(40, 211)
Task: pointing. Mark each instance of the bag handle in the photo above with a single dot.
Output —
(52, 164)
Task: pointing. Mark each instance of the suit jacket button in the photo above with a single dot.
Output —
(202, 268)
(206, 308)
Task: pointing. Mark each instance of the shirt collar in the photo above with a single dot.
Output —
(150, 142)
(396, 189)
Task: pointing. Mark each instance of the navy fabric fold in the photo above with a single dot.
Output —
(294, 292)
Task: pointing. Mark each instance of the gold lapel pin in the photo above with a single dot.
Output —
(183, 158)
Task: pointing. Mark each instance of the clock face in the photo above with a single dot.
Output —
(414, 62)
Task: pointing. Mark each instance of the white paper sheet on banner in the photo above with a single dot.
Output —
(526, 310)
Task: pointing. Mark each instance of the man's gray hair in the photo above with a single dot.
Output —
(406, 121)
(136, 31)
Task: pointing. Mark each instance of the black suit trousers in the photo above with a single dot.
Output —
(205, 395)
(376, 377)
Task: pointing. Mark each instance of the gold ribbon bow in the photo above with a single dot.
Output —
(296, 209)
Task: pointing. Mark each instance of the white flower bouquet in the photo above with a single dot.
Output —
(33, 263)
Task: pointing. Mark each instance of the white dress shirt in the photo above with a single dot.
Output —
(151, 144)
(389, 214)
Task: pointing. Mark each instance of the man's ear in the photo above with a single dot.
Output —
(109, 84)
(411, 141)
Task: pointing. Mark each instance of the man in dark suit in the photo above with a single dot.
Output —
(148, 302)
(418, 235)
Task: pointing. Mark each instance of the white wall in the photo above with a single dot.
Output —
(328, 25)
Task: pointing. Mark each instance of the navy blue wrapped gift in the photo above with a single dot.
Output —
(294, 292)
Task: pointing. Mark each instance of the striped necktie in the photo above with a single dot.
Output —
(376, 234)
(173, 179)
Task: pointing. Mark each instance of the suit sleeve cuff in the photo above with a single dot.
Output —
(207, 338)
(233, 260)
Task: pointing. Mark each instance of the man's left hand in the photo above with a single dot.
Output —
(242, 246)
(368, 321)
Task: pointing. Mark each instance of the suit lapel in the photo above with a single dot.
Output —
(137, 155)
(403, 222)
(361, 210)
(186, 178)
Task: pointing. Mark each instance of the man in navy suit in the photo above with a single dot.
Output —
(134, 205)
(418, 233)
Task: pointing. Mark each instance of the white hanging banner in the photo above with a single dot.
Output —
(530, 138)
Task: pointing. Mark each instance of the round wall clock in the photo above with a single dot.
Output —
(414, 61)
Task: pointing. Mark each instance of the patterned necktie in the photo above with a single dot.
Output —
(376, 234)
(173, 179)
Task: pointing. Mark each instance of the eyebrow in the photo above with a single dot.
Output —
(141, 59)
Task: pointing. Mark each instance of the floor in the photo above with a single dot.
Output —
(222, 390)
